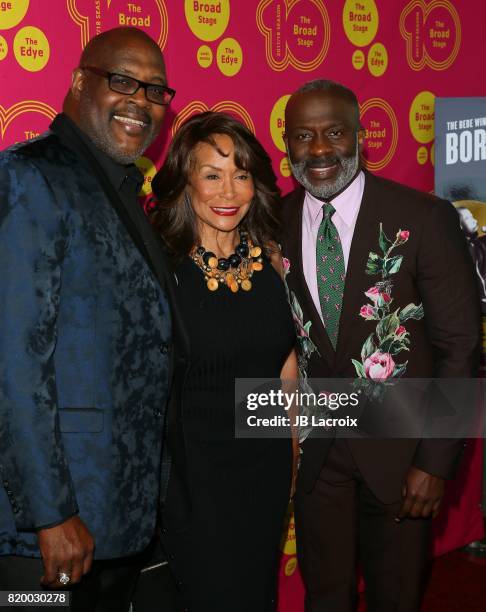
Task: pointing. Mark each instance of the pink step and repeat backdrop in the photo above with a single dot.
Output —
(246, 57)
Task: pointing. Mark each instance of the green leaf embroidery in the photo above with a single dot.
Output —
(394, 345)
(411, 312)
(359, 367)
(374, 264)
(369, 347)
(385, 243)
(392, 265)
(400, 369)
(387, 326)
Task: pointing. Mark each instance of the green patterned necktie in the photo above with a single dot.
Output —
(330, 273)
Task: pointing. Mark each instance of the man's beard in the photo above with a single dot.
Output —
(101, 137)
(349, 169)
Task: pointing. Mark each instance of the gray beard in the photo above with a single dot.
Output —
(101, 138)
(349, 165)
(103, 142)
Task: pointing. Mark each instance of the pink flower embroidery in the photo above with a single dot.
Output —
(367, 312)
(400, 330)
(375, 294)
(286, 265)
(302, 332)
(379, 366)
(402, 236)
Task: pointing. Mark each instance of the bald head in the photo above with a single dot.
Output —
(103, 45)
(122, 125)
(326, 87)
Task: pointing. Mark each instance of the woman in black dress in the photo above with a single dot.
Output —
(223, 514)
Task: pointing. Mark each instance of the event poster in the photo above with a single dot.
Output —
(246, 57)
(460, 175)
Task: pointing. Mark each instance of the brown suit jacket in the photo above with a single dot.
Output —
(436, 271)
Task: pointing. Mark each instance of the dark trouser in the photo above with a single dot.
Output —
(341, 522)
(107, 588)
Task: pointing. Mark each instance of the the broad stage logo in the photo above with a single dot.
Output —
(381, 133)
(297, 33)
(432, 31)
(95, 16)
(207, 19)
(12, 12)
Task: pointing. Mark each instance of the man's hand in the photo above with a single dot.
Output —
(68, 548)
(422, 495)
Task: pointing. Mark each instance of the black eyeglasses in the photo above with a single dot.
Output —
(121, 83)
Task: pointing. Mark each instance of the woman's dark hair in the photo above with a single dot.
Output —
(173, 215)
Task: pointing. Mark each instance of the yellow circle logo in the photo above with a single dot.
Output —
(12, 12)
(229, 57)
(422, 155)
(209, 19)
(381, 127)
(290, 566)
(377, 59)
(147, 168)
(289, 544)
(360, 21)
(358, 59)
(31, 48)
(204, 56)
(285, 170)
(421, 117)
(432, 154)
(3, 48)
(277, 122)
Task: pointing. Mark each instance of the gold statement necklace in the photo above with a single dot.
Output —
(234, 271)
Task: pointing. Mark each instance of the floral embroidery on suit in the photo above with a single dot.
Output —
(379, 351)
(306, 348)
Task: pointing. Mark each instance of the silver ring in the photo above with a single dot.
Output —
(63, 578)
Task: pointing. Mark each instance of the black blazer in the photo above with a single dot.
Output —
(436, 271)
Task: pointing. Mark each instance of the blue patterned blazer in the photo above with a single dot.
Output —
(85, 364)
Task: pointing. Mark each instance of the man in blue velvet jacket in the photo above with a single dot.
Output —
(85, 340)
